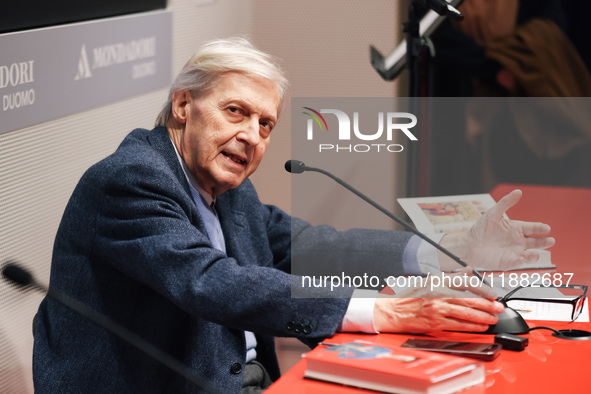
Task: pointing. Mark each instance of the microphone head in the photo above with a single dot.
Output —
(295, 166)
(17, 275)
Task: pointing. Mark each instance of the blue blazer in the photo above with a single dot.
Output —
(132, 246)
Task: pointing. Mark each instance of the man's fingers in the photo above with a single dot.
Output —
(539, 243)
(499, 209)
(534, 235)
(435, 314)
(476, 310)
(452, 324)
(468, 314)
(533, 228)
(482, 304)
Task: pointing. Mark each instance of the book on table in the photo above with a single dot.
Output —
(392, 369)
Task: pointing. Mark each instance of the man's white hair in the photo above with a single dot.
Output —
(218, 57)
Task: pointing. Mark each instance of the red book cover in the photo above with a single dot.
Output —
(392, 369)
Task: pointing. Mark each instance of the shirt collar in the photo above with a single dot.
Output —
(191, 179)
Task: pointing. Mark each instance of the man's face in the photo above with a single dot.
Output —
(228, 130)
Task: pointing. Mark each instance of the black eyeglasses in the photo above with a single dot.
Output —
(577, 302)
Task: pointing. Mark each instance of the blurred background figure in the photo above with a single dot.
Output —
(510, 49)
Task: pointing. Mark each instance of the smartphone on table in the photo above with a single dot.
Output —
(477, 350)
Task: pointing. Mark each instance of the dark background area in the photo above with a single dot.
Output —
(455, 165)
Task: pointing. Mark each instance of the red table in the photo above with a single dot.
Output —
(549, 364)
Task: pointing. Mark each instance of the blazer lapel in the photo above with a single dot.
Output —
(160, 140)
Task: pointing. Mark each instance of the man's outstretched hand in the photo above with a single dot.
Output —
(497, 243)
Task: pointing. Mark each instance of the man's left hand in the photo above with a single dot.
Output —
(496, 243)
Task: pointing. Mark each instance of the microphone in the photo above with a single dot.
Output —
(509, 322)
(298, 167)
(295, 166)
(23, 278)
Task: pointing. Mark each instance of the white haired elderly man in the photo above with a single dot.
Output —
(168, 238)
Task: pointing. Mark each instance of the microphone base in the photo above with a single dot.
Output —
(510, 322)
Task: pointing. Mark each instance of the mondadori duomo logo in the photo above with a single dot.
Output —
(349, 137)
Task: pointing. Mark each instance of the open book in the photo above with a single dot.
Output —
(449, 214)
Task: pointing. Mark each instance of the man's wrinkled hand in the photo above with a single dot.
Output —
(428, 309)
(421, 311)
(497, 243)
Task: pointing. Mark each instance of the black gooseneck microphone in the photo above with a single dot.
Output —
(297, 167)
(509, 322)
(23, 278)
